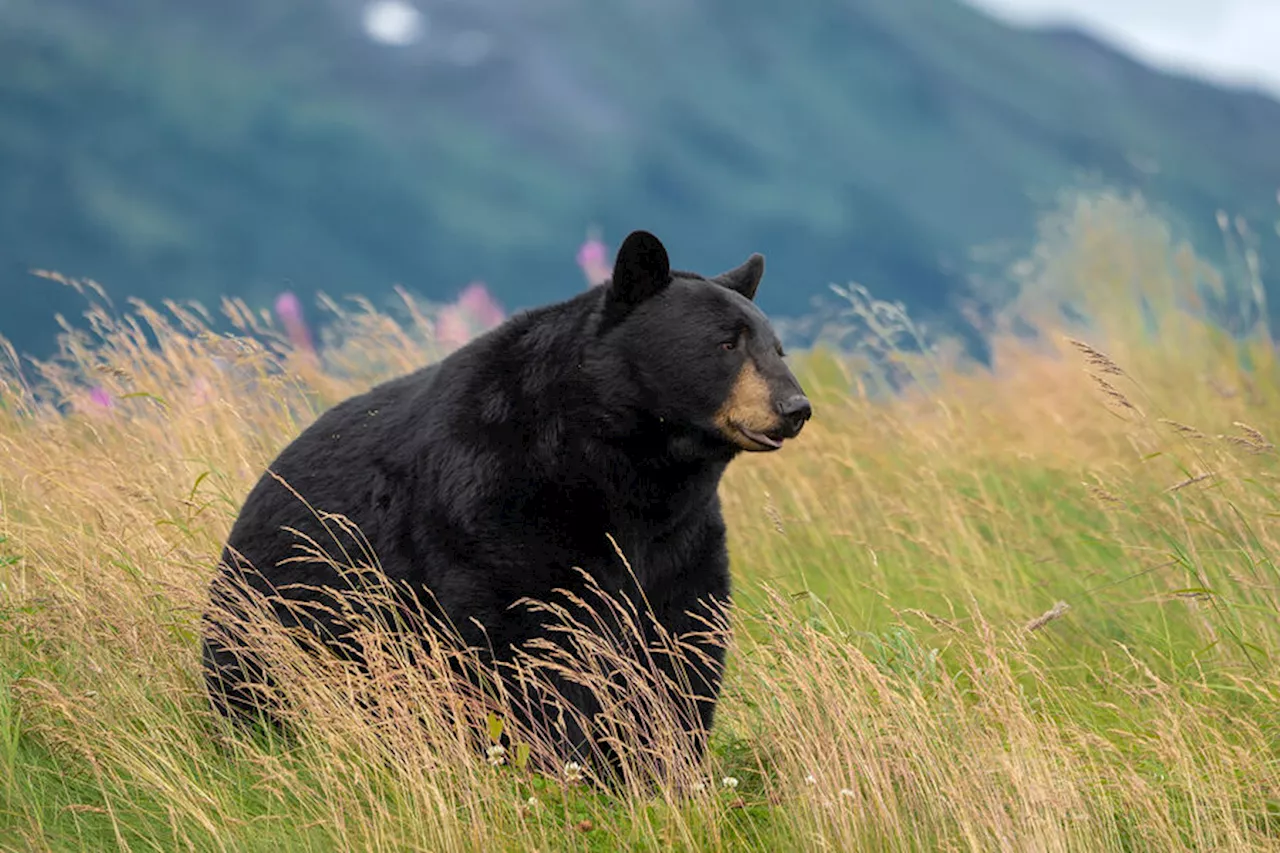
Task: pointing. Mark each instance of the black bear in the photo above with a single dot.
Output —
(529, 457)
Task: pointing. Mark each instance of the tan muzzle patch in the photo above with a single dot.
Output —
(749, 407)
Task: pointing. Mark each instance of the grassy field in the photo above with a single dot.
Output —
(1031, 607)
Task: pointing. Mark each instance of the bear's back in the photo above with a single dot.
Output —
(334, 466)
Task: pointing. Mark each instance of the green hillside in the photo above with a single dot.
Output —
(187, 149)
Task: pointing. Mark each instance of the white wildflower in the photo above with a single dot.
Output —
(497, 755)
(729, 782)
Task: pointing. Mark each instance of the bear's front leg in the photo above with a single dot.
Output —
(689, 649)
(690, 657)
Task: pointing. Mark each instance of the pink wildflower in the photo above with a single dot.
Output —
(594, 261)
(481, 307)
(451, 327)
(289, 310)
(96, 402)
(101, 398)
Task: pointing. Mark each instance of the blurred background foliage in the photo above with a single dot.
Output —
(184, 149)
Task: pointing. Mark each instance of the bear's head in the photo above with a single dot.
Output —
(701, 354)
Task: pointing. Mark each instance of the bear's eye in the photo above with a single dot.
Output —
(729, 346)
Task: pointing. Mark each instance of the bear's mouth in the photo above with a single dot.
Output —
(765, 441)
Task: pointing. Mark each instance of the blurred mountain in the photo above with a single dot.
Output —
(178, 148)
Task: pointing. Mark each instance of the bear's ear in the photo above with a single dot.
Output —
(744, 279)
(642, 268)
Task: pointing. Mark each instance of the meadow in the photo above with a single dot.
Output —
(1030, 605)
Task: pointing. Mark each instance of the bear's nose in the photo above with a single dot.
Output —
(795, 411)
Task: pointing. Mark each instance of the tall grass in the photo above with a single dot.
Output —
(1031, 606)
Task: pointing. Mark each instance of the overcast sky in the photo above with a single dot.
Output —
(1227, 40)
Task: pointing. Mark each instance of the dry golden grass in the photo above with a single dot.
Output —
(1026, 608)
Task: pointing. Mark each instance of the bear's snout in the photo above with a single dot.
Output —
(795, 411)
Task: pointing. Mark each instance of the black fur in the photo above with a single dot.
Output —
(491, 475)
